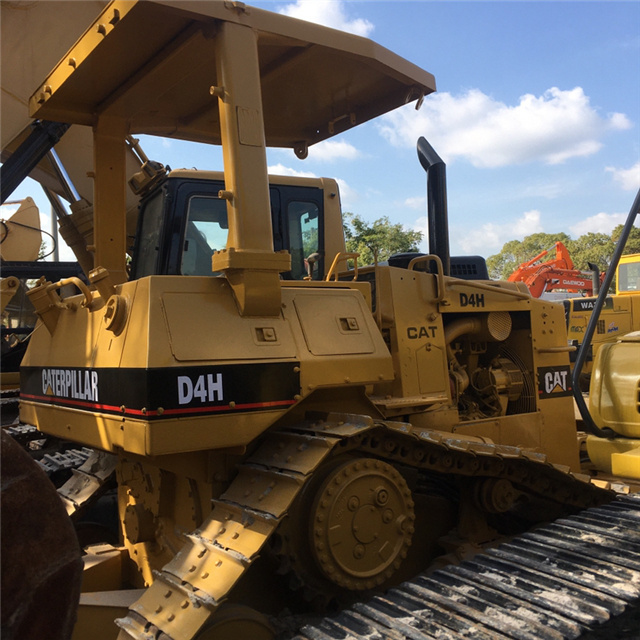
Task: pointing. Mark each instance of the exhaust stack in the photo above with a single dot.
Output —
(436, 202)
(595, 277)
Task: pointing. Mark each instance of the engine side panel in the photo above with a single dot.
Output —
(186, 371)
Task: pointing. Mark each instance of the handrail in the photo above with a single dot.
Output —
(343, 256)
(439, 272)
(88, 298)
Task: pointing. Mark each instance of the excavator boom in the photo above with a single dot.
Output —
(556, 274)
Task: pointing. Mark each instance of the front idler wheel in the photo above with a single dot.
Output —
(362, 522)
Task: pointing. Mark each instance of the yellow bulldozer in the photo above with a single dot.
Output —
(268, 411)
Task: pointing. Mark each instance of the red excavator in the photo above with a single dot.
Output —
(557, 274)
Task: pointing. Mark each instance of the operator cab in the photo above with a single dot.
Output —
(628, 275)
(184, 221)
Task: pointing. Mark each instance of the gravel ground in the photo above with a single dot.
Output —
(623, 627)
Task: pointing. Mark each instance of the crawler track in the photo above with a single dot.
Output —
(9, 402)
(556, 582)
(57, 458)
(191, 587)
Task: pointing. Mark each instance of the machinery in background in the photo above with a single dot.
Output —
(21, 268)
(613, 418)
(20, 240)
(628, 275)
(619, 315)
(614, 402)
(20, 246)
(556, 274)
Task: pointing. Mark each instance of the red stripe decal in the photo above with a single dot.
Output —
(154, 412)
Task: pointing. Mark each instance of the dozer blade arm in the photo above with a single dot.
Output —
(41, 140)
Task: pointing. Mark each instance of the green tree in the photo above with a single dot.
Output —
(376, 241)
(633, 242)
(515, 252)
(309, 241)
(596, 248)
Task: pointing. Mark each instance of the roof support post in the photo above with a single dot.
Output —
(249, 262)
(109, 197)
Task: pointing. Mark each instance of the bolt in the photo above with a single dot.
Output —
(382, 496)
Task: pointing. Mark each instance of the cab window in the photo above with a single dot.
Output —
(629, 276)
(302, 220)
(149, 237)
(206, 231)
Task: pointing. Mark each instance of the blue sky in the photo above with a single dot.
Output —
(537, 116)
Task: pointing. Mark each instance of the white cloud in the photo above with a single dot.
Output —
(419, 202)
(281, 170)
(550, 128)
(330, 13)
(542, 189)
(489, 238)
(628, 179)
(348, 196)
(8, 209)
(330, 150)
(600, 223)
(526, 225)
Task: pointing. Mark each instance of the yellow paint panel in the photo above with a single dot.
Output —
(626, 464)
(222, 333)
(333, 324)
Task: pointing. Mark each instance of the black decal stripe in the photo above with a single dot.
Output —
(169, 392)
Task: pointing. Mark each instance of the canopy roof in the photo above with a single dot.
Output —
(153, 63)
